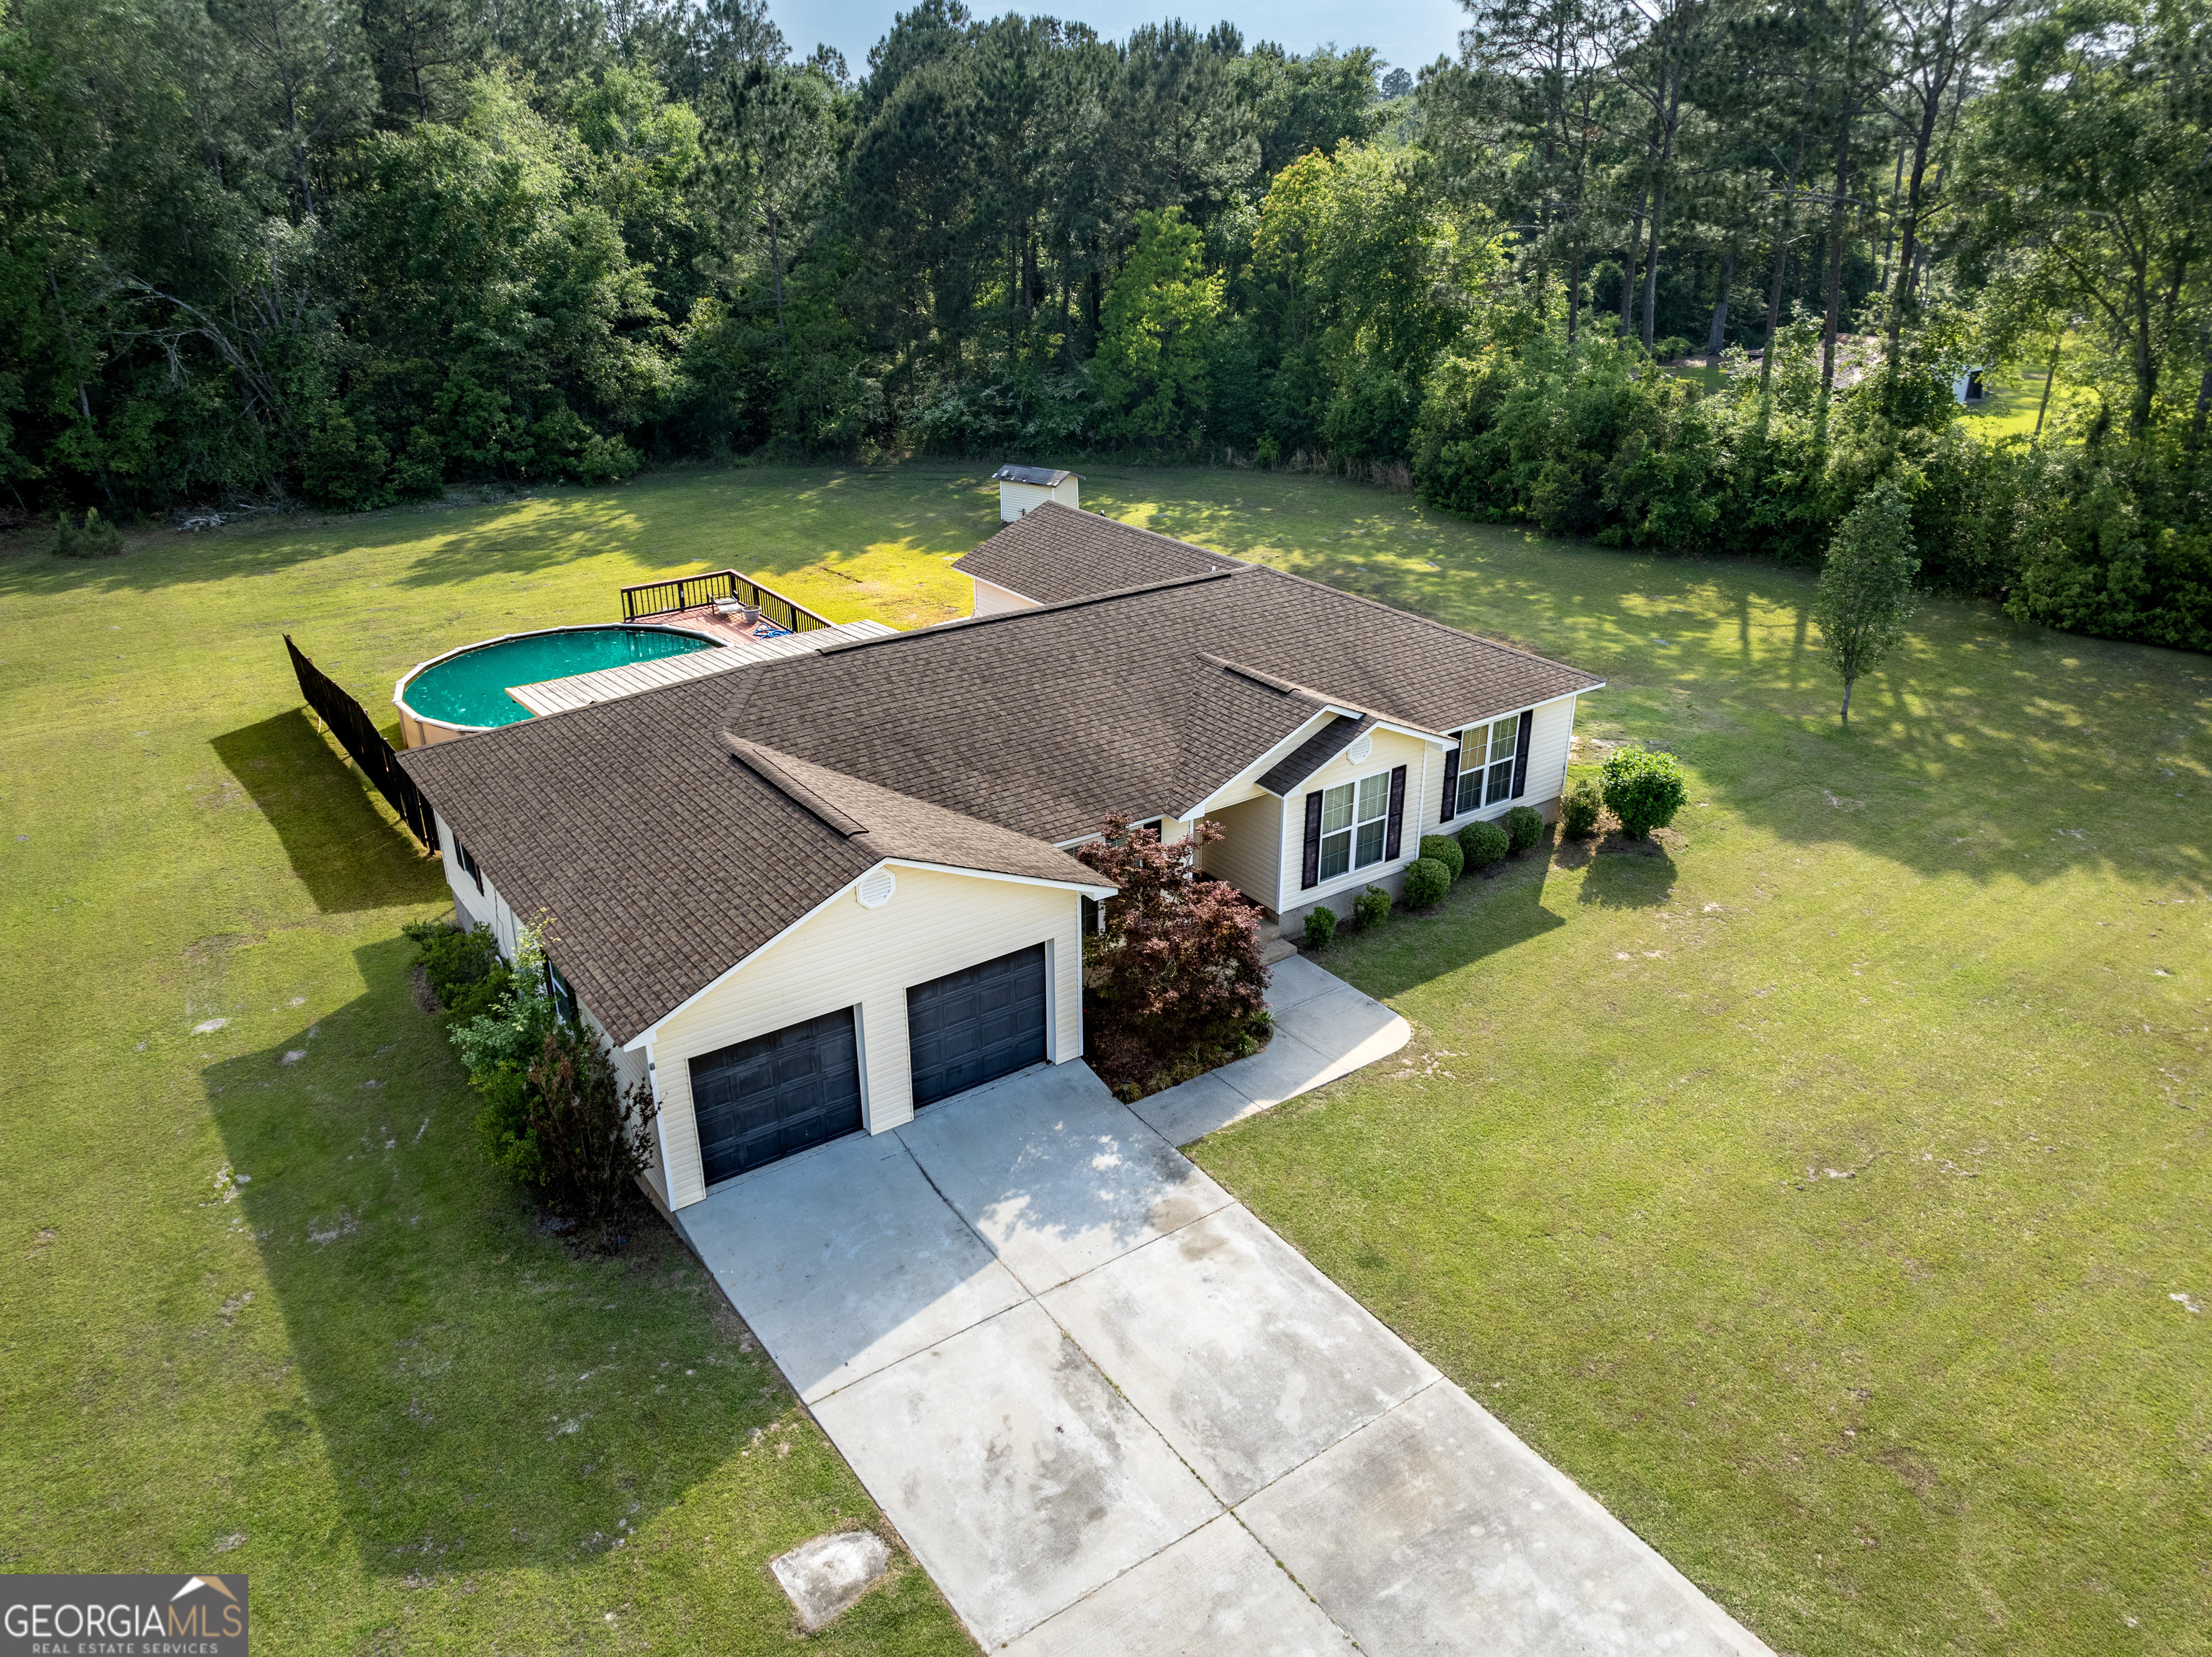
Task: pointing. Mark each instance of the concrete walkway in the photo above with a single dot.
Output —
(1110, 1411)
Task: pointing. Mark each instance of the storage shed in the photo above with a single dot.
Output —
(1023, 488)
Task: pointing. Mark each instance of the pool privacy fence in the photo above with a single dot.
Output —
(358, 735)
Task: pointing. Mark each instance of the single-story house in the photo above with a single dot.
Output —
(811, 895)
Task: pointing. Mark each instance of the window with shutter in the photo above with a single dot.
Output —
(1487, 762)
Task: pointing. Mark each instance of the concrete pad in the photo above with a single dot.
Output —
(845, 1260)
(1315, 1042)
(1435, 1529)
(1294, 979)
(823, 1577)
(1055, 1174)
(1021, 1479)
(1214, 1593)
(1191, 1110)
(1246, 1358)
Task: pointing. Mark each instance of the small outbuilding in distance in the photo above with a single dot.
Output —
(1022, 489)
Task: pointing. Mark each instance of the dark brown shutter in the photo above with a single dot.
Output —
(1521, 755)
(1451, 784)
(1395, 835)
(1309, 870)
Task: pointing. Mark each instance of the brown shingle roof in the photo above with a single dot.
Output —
(1055, 552)
(1046, 720)
(671, 833)
(661, 858)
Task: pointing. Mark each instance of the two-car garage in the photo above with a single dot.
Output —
(771, 1095)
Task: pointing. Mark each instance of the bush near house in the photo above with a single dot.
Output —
(1427, 879)
(1371, 908)
(1320, 927)
(1644, 790)
(464, 969)
(1173, 982)
(1484, 844)
(554, 1117)
(1578, 810)
(1524, 826)
(1447, 851)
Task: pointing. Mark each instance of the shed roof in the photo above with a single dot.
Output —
(1042, 477)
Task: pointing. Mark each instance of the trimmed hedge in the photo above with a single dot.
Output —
(1578, 810)
(1320, 927)
(1524, 826)
(1484, 844)
(1371, 907)
(1447, 851)
(1644, 790)
(1427, 879)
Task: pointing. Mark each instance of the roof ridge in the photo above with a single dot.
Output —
(763, 762)
(1425, 621)
(1265, 680)
(1055, 508)
(846, 647)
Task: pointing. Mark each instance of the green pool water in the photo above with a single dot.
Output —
(471, 688)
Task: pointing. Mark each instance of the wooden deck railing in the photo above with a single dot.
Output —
(660, 598)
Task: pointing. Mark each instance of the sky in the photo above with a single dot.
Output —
(1408, 32)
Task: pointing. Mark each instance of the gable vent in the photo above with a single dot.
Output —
(1362, 745)
(876, 888)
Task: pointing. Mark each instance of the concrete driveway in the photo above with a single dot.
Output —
(1111, 1411)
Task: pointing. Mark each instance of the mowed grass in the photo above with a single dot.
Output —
(364, 1377)
(1829, 1194)
(1957, 954)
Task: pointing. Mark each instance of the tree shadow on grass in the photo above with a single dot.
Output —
(484, 1397)
(1624, 874)
(347, 851)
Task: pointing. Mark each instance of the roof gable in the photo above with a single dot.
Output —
(1055, 552)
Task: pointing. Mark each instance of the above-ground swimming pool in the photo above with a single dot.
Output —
(466, 690)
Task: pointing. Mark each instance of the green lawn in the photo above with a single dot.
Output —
(1959, 953)
(364, 1377)
(2013, 394)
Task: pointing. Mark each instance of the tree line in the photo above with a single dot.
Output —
(358, 250)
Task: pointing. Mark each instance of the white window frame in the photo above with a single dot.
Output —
(1349, 833)
(1488, 727)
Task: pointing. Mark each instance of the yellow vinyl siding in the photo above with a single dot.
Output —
(993, 601)
(1554, 722)
(844, 955)
(1391, 750)
(1246, 854)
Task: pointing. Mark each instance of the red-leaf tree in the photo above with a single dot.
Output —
(1175, 974)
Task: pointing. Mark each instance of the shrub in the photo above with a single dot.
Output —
(1320, 927)
(1578, 809)
(1485, 844)
(1371, 908)
(1175, 973)
(592, 1139)
(95, 538)
(1427, 879)
(464, 969)
(1446, 850)
(1644, 790)
(1524, 826)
